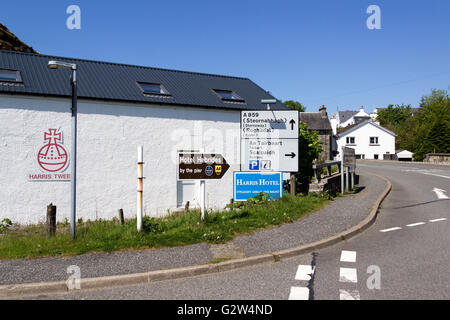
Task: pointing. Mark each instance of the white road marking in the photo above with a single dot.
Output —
(433, 174)
(440, 219)
(304, 272)
(349, 295)
(348, 256)
(390, 229)
(440, 193)
(348, 275)
(299, 293)
(415, 224)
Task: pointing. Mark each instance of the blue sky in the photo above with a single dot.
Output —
(316, 52)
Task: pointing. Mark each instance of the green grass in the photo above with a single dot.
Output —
(173, 230)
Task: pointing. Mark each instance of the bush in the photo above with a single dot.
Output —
(5, 224)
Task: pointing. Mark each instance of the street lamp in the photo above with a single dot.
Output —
(268, 102)
(66, 65)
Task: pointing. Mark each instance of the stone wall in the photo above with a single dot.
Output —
(441, 158)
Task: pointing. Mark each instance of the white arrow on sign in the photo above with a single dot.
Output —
(440, 193)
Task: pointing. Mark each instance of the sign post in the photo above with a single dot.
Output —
(348, 161)
(269, 140)
(201, 166)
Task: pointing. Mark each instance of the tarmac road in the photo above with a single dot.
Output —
(403, 255)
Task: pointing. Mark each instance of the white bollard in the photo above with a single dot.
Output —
(140, 187)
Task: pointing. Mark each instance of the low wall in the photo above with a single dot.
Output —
(441, 158)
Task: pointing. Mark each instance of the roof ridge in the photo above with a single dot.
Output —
(124, 64)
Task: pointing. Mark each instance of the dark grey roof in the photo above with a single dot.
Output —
(345, 115)
(346, 130)
(315, 121)
(112, 81)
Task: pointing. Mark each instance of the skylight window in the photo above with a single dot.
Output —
(153, 88)
(10, 75)
(228, 95)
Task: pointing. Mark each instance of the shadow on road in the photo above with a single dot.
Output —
(419, 204)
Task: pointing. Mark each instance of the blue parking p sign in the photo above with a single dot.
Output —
(254, 165)
(248, 184)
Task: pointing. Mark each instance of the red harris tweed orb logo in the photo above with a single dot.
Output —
(52, 157)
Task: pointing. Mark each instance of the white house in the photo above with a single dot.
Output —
(120, 107)
(370, 140)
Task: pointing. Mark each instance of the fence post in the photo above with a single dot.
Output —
(121, 218)
(51, 220)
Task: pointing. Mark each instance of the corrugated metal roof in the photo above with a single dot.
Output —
(112, 81)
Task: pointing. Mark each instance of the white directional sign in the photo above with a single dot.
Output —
(269, 154)
(269, 124)
(269, 140)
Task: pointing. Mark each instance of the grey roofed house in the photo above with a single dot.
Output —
(346, 115)
(315, 121)
(350, 128)
(122, 82)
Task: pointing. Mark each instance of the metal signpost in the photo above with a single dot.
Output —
(248, 184)
(201, 166)
(348, 161)
(269, 140)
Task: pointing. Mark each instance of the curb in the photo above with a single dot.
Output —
(45, 288)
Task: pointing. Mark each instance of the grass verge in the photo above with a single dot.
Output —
(172, 230)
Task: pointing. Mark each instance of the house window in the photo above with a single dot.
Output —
(374, 140)
(360, 156)
(228, 96)
(10, 75)
(350, 140)
(375, 156)
(153, 88)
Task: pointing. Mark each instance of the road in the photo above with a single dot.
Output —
(403, 255)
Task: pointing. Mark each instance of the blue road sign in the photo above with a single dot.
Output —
(254, 165)
(248, 184)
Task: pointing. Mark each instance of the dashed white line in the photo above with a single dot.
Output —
(440, 219)
(348, 256)
(349, 295)
(304, 272)
(348, 275)
(415, 224)
(390, 229)
(299, 293)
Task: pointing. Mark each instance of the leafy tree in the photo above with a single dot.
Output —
(428, 131)
(295, 105)
(432, 134)
(309, 147)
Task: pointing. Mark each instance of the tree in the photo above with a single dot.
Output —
(295, 105)
(432, 134)
(309, 147)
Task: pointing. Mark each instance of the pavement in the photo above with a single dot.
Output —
(340, 215)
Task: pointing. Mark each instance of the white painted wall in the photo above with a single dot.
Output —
(386, 141)
(108, 136)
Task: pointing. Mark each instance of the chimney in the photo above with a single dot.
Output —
(323, 111)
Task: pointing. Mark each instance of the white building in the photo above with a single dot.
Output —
(120, 107)
(370, 140)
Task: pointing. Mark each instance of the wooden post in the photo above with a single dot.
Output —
(51, 220)
(292, 182)
(121, 218)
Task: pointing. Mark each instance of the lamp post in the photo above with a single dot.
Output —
(73, 174)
